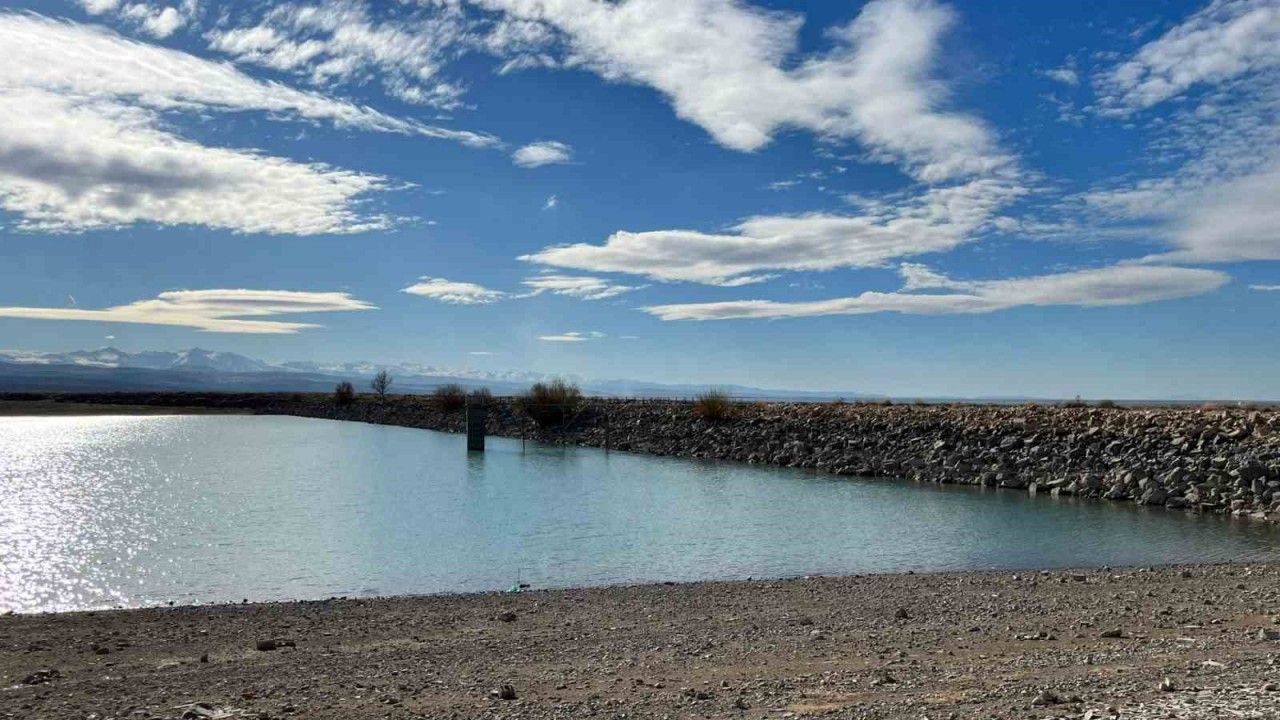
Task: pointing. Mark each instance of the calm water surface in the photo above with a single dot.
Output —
(103, 511)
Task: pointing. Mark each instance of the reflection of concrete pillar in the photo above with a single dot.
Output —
(477, 415)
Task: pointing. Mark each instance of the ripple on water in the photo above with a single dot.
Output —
(104, 511)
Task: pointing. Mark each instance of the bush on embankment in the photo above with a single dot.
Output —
(551, 404)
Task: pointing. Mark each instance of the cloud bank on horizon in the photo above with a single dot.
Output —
(106, 117)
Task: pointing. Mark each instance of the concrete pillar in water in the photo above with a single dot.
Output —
(477, 415)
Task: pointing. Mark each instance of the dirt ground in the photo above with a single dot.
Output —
(1189, 642)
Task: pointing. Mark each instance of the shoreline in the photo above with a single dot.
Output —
(1209, 460)
(979, 644)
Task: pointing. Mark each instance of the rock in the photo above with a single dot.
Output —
(1047, 697)
(1266, 634)
(1112, 633)
(507, 616)
(504, 692)
(1167, 685)
(41, 676)
(266, 645)
(901, 614)
(200, 711)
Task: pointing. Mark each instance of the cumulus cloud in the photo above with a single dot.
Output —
(454, 293)
(585, 288)
(572, 337)
(156, 20)
(939, 220)
(542, 153)
(1226, 40)
(337, 41)
(728, 67)
(220, 311)
(1116, 285)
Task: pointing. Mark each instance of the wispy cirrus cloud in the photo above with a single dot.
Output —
(1265, 288)
(1208, 92)
(454, 293)
(218, 311)
(1116, 285)
(547, 152)
(337, 42)
(584, 288)
(1226, 40)
(572, 337)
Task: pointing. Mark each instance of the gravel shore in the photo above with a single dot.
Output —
(1186, 642)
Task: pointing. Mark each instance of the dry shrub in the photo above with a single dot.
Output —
(344, 393)
(713, 405)
(450, 397)
(551, 403)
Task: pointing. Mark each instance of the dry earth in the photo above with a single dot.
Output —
(1191, 642)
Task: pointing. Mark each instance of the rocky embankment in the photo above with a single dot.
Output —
(1214, 460)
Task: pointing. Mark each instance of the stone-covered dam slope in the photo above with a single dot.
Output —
(1216, 460)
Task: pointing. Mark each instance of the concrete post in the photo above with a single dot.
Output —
(477, 416)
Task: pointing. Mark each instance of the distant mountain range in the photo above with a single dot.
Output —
(110, 369)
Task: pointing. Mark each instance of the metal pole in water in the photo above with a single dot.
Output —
(477, 417)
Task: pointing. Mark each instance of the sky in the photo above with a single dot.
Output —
(908, 197)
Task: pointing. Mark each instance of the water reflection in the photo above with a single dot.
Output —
(119, 510)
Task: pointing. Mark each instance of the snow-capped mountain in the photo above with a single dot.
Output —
(109, 368)
(109, 357)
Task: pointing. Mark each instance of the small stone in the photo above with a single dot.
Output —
(1047, 697)
(266, 645)
(507, 616)
(1167, 685)
(204, 658)
(1112, 633)
(505, 692)
(902, 614)
(1265, 634)
(41, 676)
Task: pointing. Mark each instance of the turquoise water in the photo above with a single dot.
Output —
(105, 511)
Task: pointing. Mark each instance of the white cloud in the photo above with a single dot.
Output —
(1222, 66)
(1265, 288)
(1064, 75)
(89, 62)
(336, 41)
(454, 293)
(1116, 285)
(155, 20)
(572, 337)
(1226, 40)
(85, 139)
(481, 353)
(551, 203)
(69, 166)
(939, 220)
(542, 153)
(220, 311)
(728, 67)
(585, 288)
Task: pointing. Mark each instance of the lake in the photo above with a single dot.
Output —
(133, 511)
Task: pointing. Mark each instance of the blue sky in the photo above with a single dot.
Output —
(910, 197)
